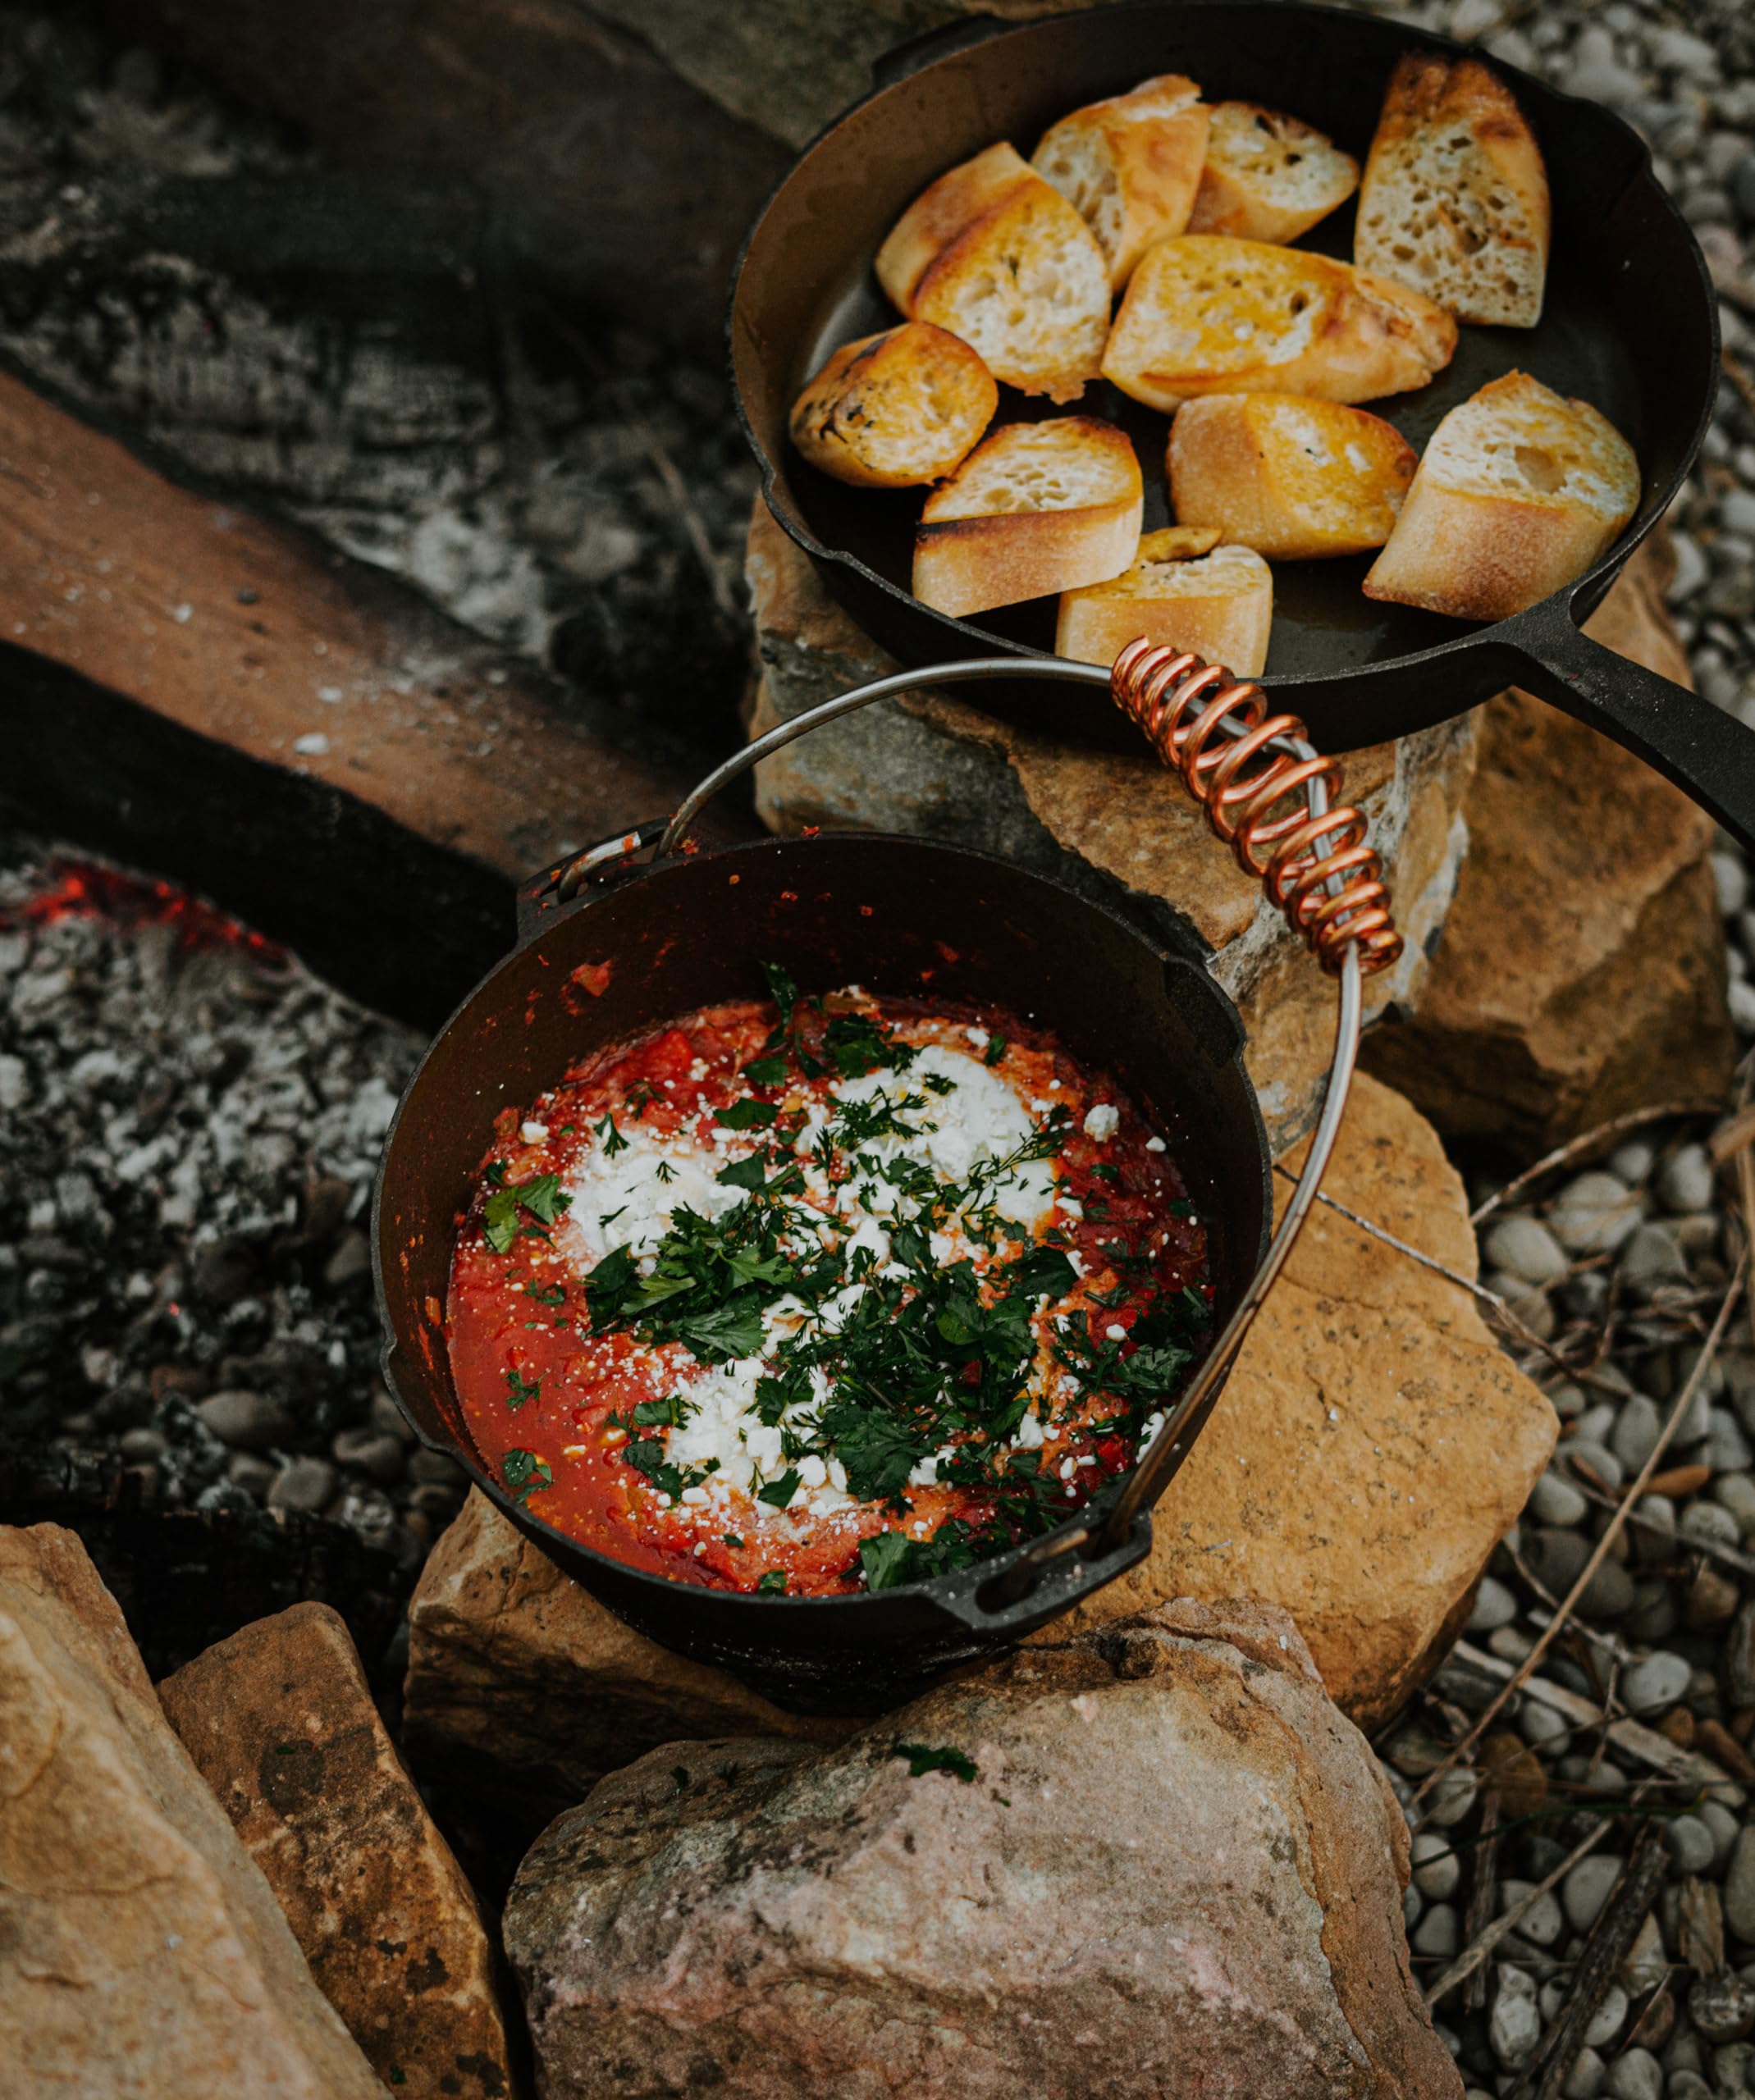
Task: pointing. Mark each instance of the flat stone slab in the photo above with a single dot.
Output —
(141, 1952)
(1146, 1860)
(281, 1723)
(1371, 1448)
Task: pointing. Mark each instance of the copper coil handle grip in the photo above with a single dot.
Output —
(1307, 848)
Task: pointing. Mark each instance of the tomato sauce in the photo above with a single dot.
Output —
(757, 1302)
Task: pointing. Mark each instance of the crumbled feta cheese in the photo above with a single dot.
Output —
(1154, 1144)
(1115, 1331)
(533, 1134)
(979, 1037)
(1102, 1122)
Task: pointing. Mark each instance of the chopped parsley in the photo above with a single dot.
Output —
(924, 1758)
(773, 1584)
(509, 1210)
(518, 1390)
(525, 1473)
(613, 1140)
(779, 1492)
(996, 1049)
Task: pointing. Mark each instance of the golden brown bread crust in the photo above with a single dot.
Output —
(1345, 334)
(1296, 479)
(1155, 137)
(1218, 604)
(986, 539)
(1459, 252)
(1273, 201)
(943, 211)
(1518, 492)
(1481, 557)
(895, 410)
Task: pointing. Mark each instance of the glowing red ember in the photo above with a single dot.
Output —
(85, 889)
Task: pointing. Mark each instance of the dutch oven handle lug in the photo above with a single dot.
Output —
(916, 52)
(1270, 798)
(1708, 754)
(544, 897)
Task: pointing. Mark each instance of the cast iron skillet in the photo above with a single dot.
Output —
(902, 917)
(1630, 325)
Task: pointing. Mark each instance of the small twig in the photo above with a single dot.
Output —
(1482, 1945)
(1499, 1307)
(1588, 1141)
(1616, 1928)
(1481, 1897)
(1710, 1549)
(1611, 1531)
(1632, 1738)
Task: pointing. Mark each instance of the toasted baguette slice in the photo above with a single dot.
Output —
(1129, 166)
(1184, 591)
(1455, 201)
(1035, 508)
(1207, 315)
(998, 256)
(1268, 177)
(1518, 492)
(1294, 479)
(894, 409)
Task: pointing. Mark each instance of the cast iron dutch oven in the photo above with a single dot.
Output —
(1630, 325)
(901, 916)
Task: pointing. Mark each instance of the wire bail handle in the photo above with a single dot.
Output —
(1270, 797)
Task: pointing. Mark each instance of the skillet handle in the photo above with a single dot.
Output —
(1708, 754)
(916, 52)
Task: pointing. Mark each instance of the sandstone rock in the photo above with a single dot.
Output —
(514, 1671)
(281, 1723)
(1373, 1444)
(1111, 825)
(1152, 1860)
(1372, 1447)
(1580, 971)
(141, 1952)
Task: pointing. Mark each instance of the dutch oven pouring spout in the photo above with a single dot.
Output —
(1268, 795)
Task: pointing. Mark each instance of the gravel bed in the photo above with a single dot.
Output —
(189, 1124)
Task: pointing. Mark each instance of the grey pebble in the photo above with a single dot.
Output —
(1633, 1160)
(1451, 1798)
(1636, 1431)
(1598, 1456)
(1722, 2007)
(1413, 1904)
(139, 1443)
(1524, 1247)
(1684, 1180)
(1585, 2080)
(247, 1422)
(1514, 2027)
(386, 1417)
(1635, 2075)
(1691, 1844)
(1436, 1869)
(434, 1466)
(1543, 1922)
(1594, 1214)
(1727, 1448)
(1725, 1830)
(1494, 1606)
(247, 1470)
(1739, 1657)
(1687, 2086)
(1654, 1544)
(1554, 1500)
(1543, 1729)
(1609, 2018)
(1707, 1520)
(1586, 1889)
(1654, 1685)
(1651, 1258)
(382, 1456)
(303, 1484)
(1439, 1932)
(1739, 1885)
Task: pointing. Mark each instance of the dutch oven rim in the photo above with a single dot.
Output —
(615, 880)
